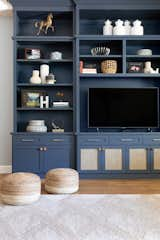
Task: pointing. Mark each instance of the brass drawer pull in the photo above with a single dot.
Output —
(27, 140)
(57, 140)
(126, 139)
(93, 140)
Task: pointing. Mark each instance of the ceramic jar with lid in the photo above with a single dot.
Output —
(127, 26)
(119, 28)
(56, 55)
(137, 28)
(108, 28)
(36, 126)
(35, 79)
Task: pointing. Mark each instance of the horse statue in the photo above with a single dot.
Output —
(44, 25)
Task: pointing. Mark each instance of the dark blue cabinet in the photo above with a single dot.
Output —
(26, 159)
(40, 154)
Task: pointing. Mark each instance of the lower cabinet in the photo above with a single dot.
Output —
(101, 159)
(155, 155)
(26, 159)
(138, 159)
(40, 155)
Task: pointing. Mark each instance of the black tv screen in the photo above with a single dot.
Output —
(123, 107)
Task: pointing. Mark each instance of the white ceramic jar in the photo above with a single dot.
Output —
(107, 28)
(127, 26)
(137, 28)
(56, 55)
(119, 28)
(44, 71)
(35, 79)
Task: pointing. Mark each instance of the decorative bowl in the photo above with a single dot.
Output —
(33, 96)
(144, 52)
(100, 51)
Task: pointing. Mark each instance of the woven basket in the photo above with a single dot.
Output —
(109, 66)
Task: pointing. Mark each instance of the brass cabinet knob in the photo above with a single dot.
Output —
(41, 149)
(44, 149)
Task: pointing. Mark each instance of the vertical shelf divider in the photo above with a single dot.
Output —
(124, 52)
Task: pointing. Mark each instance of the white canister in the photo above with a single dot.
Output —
(127, 26)
(137, 28)
(44, 71)
(56, 55)
(35, 79)
(119, 28)
(108, 28)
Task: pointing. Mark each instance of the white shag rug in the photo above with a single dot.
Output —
(83, 217)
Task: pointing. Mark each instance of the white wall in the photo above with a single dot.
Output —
(6, 84)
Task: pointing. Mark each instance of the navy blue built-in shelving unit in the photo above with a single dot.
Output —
(96, 154)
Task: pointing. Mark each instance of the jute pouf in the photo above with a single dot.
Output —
(20, 188)
(62, 180)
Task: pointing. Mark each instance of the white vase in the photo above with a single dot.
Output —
(44, 71)
(137, 28)
(108, 28)
(35, 79)
(127, 26)
(119, 28)
(148, 67)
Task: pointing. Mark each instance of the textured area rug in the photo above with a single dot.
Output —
(83, 217)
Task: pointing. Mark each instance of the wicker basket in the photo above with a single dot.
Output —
(109, 66)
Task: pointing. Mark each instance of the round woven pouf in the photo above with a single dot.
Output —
(62, 180)
(20, 188)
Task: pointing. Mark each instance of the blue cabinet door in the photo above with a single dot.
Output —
(26, 159)
(57, 157)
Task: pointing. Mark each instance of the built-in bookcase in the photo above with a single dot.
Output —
(60, 40)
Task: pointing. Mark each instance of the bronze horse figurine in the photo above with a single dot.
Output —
(44, 25)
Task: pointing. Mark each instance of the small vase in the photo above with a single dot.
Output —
(44, 71)
(35, 79)
(148, 67)
(137, 28)
(127, 26)
(108, 28)
(119, 28)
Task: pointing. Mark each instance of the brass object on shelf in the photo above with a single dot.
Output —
(109, 66)
(44, 25)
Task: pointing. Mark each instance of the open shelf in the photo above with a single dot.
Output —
(43, 38)
(100, 57)
(45, 109)
(117, 75)
(44, 61)
(45, 85)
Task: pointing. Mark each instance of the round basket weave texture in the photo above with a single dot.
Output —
(20, 188)
(109, 66)
(62, 180)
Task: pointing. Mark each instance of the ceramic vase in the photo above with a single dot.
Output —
(35, 79)
(127, 26)
(119, 28)
(108, 28)
(44, 71)
(137, 28)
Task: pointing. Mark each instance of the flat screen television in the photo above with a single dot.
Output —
(123, 108)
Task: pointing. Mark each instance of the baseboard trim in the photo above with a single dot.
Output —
(6, 169)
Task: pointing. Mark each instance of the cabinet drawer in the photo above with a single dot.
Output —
(127, 140)
(26, 140)
(93, 140)
(57, 140)
(154, 140)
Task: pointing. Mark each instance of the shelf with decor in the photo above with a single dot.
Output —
(45, 85)
(44, 61)
(45, 109)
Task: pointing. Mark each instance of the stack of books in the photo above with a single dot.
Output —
(88, 68)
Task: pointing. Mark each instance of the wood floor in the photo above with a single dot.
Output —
(117, 186)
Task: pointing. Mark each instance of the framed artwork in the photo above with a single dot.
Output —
(31, 98)
(135, 67)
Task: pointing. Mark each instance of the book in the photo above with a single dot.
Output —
(89, 70)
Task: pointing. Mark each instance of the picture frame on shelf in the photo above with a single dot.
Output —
(31, 98)
(135, 67)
